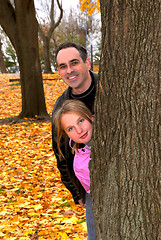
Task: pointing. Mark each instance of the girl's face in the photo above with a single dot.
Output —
(76, 127)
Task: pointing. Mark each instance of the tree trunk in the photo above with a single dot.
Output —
(33, 102)
(20, 25)
(46, 55)
(126, 167)
(2, 63)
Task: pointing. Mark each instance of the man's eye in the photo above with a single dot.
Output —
(62, 67)
(75, 63)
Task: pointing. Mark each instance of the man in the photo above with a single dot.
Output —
(74, 68)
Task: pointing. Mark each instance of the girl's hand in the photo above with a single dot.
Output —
(81, 203)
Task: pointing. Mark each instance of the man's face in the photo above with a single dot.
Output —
(74, 72)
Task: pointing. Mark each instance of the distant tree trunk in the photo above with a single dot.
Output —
(126, 167)
(46, 55)
(2, 63)
(46, 38)
(20, 25)
(91, 57)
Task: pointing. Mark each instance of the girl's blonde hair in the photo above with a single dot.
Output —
(70, 106)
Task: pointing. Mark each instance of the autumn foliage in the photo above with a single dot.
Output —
(90, 6)
(34, 204)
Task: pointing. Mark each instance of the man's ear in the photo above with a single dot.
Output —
(88, 62)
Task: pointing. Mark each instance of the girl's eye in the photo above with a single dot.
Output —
(70, 129)
(81, 120)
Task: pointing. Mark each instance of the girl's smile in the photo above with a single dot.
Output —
(84, 135)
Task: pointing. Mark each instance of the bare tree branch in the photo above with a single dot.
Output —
(54, 25)
(46, 37)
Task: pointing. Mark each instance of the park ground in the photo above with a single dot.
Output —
(34, 204)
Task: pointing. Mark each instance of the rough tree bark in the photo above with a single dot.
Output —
(2, 63)
(126, 167)
(46, 38)
(19, 23)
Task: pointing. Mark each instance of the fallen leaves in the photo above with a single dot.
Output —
(34, 204)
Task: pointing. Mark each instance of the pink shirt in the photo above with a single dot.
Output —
(80, 165)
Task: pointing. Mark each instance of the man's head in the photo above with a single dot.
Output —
(73, 66)
(82, 51)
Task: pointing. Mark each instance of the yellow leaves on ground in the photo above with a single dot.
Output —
(10, 93)
(34, 204)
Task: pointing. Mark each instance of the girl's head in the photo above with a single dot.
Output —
(75, 120)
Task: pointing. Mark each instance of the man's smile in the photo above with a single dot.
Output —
(71, 78)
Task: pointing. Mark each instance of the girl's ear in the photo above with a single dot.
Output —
(92, 118)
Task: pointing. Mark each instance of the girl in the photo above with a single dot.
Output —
(75, 120)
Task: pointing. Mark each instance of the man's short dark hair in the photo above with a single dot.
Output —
(82, 51)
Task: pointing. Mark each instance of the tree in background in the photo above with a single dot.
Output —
(3, 67)
(46, 31)
(75, 25)
(19, 23)
(10, 57)
(97, 54)
(78, 26)
(126, 167)
(2, 62)
(9, 53)
(69, 29)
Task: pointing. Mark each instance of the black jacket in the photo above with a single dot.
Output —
(65, 166)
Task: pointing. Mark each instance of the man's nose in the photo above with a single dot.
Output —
(69, 69)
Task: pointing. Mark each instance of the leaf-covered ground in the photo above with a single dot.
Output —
(34, 204)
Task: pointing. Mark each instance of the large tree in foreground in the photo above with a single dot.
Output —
(126, 166)
(19, 23)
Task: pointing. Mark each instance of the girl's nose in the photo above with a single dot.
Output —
(79, 129)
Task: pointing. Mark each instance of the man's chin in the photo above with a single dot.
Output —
(74, 86)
